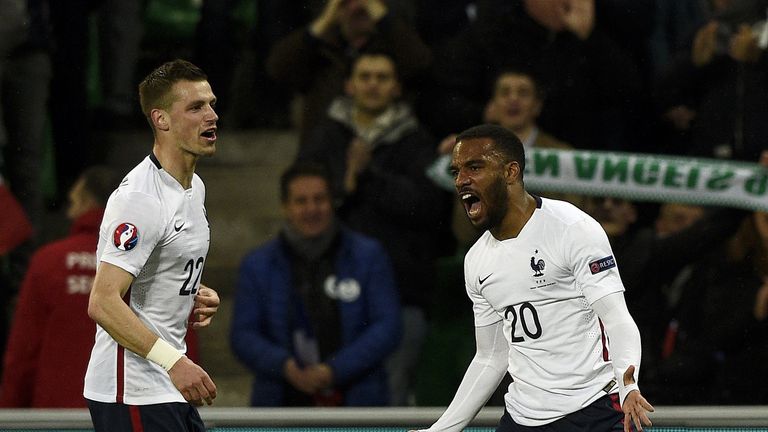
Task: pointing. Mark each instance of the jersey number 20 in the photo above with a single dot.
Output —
(523, 310)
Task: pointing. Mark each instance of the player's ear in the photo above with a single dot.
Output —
(160, 119)
(512, 172)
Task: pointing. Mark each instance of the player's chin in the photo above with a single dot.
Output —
(207, 149)
(479, 222)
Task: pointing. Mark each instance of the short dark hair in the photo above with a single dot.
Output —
(303, 169)
(521, 71)
(99, 181)
(373, 52)
(505, 142)
(154, 90)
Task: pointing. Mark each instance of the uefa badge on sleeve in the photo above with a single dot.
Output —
(126, 236)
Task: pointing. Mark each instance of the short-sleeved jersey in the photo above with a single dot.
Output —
(541, 284)
(158, 231)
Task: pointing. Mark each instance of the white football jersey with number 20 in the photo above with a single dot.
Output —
(541, 284)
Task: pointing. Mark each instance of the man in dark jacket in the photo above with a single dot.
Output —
(377, 153)
(316, 309)
(314, 60)
(591, 84)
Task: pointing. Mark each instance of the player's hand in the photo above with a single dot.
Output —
(206, 304)
(192, 382)
(635, 407)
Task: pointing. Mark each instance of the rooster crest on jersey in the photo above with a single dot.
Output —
(537, 267)
(126, 236)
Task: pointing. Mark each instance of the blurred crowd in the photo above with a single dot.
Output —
(336, 309)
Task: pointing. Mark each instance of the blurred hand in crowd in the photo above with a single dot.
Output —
(743, 47)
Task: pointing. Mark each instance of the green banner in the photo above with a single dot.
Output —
(646, 177)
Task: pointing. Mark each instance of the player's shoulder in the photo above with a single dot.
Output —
(562, 212)
(197, 182)
(141, 188)
(482, 245)
(143, 178)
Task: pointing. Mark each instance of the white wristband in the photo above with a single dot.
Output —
(624, 391)
(164, 354)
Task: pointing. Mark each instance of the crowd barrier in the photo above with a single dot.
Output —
(666, 419)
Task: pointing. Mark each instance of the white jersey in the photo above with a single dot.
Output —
(541, 284)
(156, 230)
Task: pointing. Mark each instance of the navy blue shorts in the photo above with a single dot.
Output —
(602, 415)
(164, 417)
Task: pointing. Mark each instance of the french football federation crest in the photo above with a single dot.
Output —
(126, 236)
(537, 267)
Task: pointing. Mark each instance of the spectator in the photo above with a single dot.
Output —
(221, 53)
(720, 323)
(55, 291)
(674, 24)
(15, 229)
(120, 31)
(713, 93)
(25, 73)
(314, 60)
(590, 82)
(70, 110)
(516, 103)
(316, 309)
(651, 259)
(377, 153)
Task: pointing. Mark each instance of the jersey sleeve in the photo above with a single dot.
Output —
(133, 225)
(483, 311)
(594, 265)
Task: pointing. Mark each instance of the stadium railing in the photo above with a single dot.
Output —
(691, 418)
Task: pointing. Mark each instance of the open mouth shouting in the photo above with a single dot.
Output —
(472, 204)
(209, 134)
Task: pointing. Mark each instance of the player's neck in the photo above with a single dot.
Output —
(520, 210)
(179, 164)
